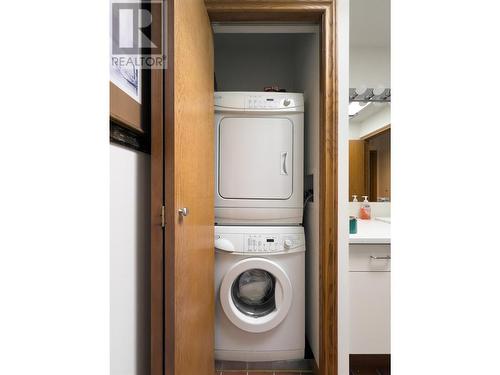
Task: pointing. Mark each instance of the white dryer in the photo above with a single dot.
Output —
(259, 287)
(259, 158)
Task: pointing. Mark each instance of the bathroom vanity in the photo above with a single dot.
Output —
(370, 288)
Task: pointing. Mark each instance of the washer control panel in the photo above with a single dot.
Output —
(260, 240)
(271, 242)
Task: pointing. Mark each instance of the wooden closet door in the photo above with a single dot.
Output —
(193, 171)
(186, 282)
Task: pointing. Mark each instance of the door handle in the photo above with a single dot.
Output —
(184, 211)
(387, 257)
(283, 163)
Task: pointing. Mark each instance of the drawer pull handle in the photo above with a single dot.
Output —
(387, 257)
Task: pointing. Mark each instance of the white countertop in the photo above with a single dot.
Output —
(372, 231)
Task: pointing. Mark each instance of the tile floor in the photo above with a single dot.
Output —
(294, 367)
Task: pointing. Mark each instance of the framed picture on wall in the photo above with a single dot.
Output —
(125, 86)
(136, 49)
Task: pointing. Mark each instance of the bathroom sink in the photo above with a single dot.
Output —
(384, 219)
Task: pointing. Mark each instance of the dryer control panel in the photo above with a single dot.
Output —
(269, 102)
(258, 102)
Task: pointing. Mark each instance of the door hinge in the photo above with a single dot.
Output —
(163, 216)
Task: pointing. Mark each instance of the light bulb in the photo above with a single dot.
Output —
(361, 89)
(378, 90)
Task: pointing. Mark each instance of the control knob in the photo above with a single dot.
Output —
(286, 102)
(287, 243)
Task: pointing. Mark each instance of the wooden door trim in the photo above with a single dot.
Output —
(161, 196)
(157, 233)
(169, 181)
(372, 173)
(376, 132)
(324, 13)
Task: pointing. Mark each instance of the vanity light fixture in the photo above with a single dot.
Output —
(378, 94)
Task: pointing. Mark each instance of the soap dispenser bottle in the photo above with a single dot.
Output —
(365, 211)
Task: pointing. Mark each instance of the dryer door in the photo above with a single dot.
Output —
(255, 158)
(256, 295)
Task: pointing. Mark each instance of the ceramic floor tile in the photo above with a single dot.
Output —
(290, 367)
(260, 366)
(219, 365)
(233, 365)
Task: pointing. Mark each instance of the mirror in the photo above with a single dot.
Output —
(369, 100)
(370, 152)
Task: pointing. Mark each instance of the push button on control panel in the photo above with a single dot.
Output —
(265, 243)
(263, 102)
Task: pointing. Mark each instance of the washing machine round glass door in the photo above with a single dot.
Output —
(256, 294)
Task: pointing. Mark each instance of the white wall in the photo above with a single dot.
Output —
(130, 244)
(354, 129)
(377, 120)
(370, 66)
(343, 188)
(307, 81)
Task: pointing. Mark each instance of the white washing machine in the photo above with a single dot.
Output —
(259, 287)
(259, 158)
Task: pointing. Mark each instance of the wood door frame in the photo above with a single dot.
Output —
(376, 132)
(162, 193)
(372, 175)
(322, 12)
(162, 267)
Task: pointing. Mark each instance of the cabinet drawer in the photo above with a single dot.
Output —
(362, 257)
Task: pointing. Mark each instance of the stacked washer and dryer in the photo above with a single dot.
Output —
(259, 238)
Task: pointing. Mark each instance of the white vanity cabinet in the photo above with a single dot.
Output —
(370, 300)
